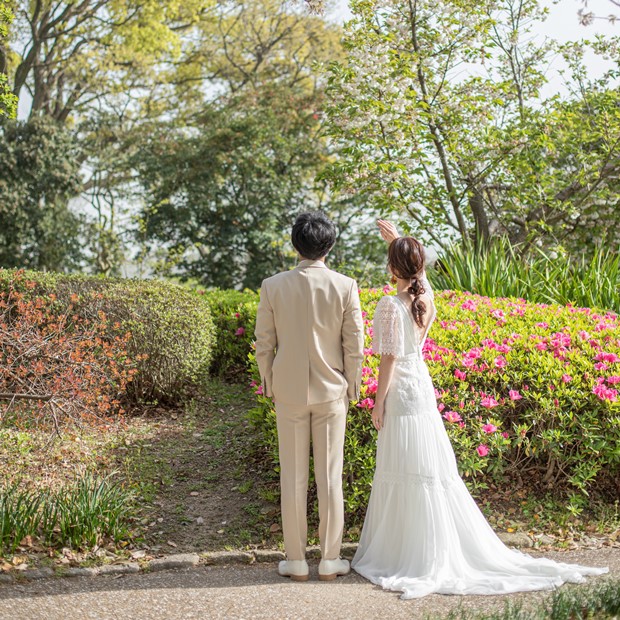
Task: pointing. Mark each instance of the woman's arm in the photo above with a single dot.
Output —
(386, 372)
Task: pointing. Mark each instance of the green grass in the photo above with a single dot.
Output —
(596, 602)
(499, 270)
(79, 515)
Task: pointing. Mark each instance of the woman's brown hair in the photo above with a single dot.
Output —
(406, 259)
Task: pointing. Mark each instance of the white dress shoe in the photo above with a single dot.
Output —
(297, 570)
(330, 569)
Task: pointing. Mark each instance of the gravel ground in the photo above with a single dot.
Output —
(249, 592)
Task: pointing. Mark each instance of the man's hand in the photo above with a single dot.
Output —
(377, 416)
(388, 230)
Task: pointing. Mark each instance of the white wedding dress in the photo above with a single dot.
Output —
(423, 532)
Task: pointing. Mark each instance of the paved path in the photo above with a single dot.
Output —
(248, 592)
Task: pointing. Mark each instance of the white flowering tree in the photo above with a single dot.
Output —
(439, 113)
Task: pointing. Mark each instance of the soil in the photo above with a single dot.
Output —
(198, 472)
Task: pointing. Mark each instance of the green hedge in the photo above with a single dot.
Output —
(234, 315)
(172, 332)
(529, 395)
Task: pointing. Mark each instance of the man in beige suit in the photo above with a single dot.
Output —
(309, 349)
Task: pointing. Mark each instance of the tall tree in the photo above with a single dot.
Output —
(39, 163)
(238, 155)
(8, 101)
(438, 107)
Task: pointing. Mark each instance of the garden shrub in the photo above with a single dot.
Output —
(234, 316)
(529, 394)
(167, 333)
(55, 364)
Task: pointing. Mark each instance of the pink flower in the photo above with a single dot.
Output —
(489, 402)
(612, 358)
(543, 325)
(460, 375)
(469, 305)
(583, 335)
(541, 346)
(367, 403)
(387, 289)
(259, 390)
(240, 331)
(371, 386)
(452, 416)
(237, 315)
(514, 395)
(366, 370)
(370, 331)
(613, 379)
(482, 450)
(441, 407)
(489, 428)
(368, 351)
(567, 378)
(601, 366)
(500, 361)
(505, 435)
(605, 393)
(498, 314)
(474, 353)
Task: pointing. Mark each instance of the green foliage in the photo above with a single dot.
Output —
(8, 101)
(498, 270)
(39, 173)
(234, 316)
(171, 331)
(221, 200)
(599, 601)
(88, 512)
(465, 153)
(535, 373)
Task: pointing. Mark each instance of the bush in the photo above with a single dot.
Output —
(234, 315)
(54, 363)
(167, 333)
(528, 392)
(498, 270)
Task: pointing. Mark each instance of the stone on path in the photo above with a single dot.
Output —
(267, 555)
(515, 539)
(119, 569)
(38, 573)
(228, 557)
(181, 560)
(81, 572)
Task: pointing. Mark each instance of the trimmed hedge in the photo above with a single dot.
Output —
(529, 394)
(234, 315)
(171, 333)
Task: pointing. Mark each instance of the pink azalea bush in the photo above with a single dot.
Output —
(529, 394)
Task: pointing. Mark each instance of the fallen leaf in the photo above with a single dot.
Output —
(171, 543)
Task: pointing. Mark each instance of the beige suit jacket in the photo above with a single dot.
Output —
(309, 335)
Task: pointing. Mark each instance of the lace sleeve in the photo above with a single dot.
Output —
(387, 328)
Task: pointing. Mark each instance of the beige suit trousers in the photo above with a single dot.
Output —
(325, 425)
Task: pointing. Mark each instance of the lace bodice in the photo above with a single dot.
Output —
(394, 330)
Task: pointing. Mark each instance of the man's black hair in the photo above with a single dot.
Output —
(314, 235)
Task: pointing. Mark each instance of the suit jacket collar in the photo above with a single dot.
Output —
(311, 263)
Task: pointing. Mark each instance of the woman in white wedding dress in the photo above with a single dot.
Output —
(423, 532)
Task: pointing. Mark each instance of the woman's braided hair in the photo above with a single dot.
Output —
(406, 259)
